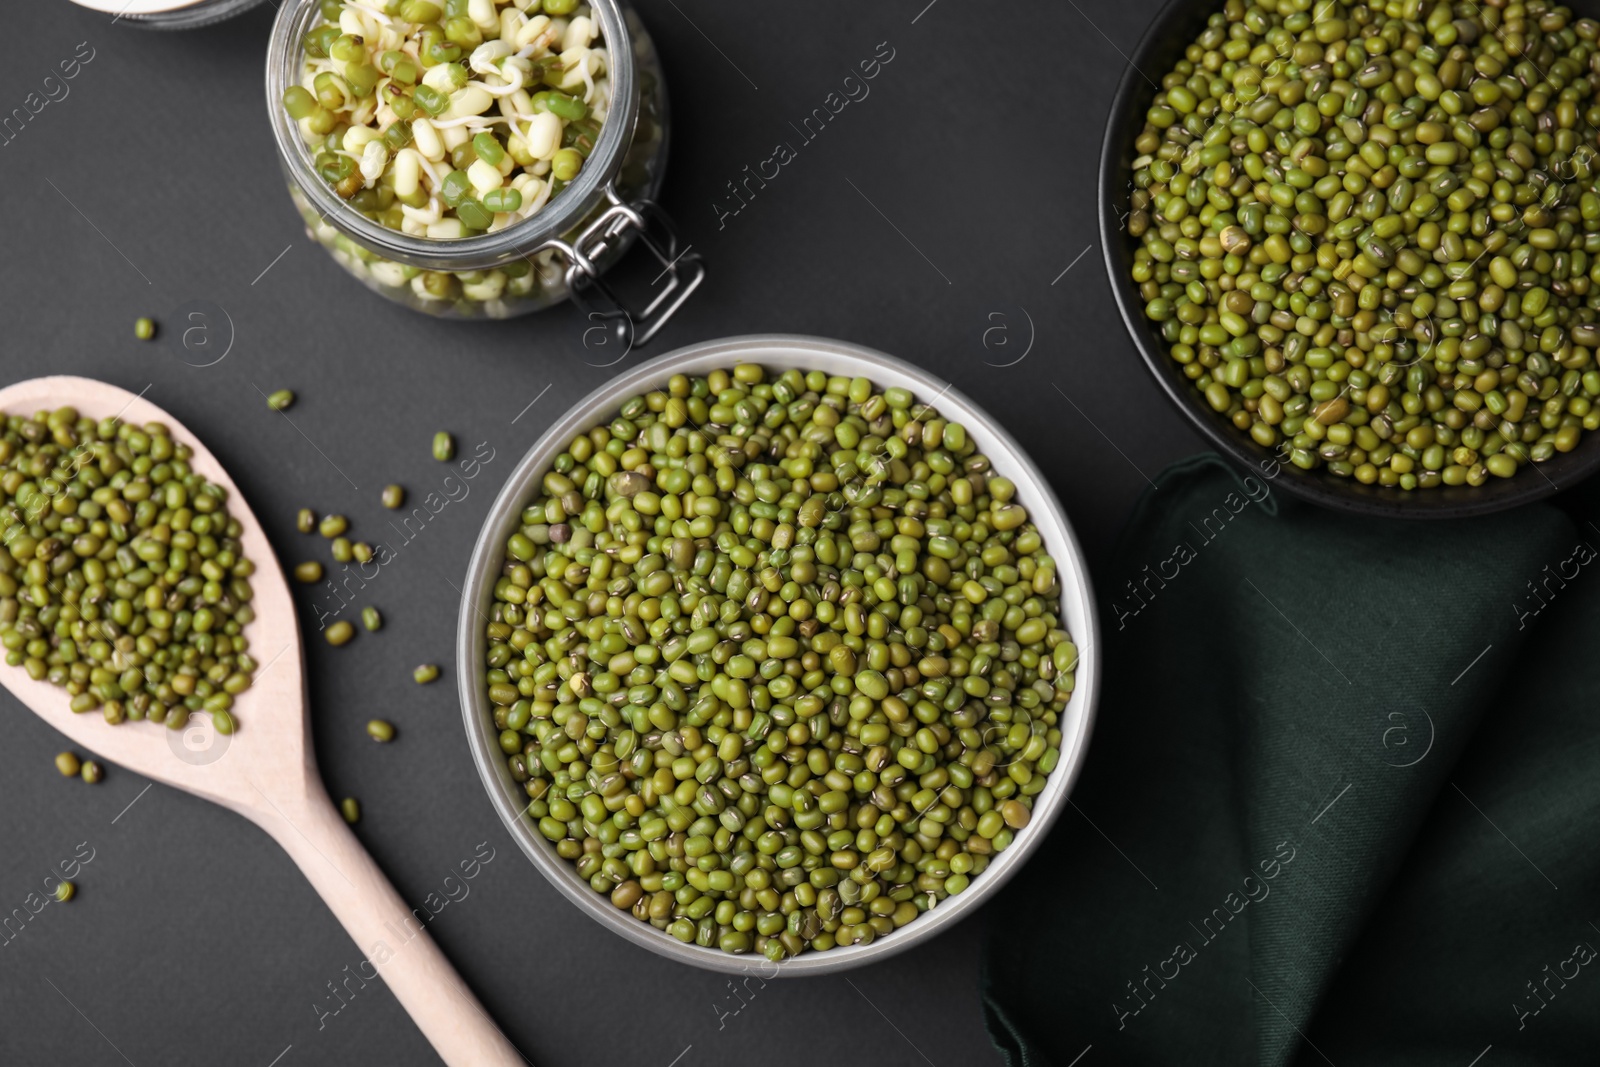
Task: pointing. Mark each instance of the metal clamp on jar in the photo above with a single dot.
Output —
(560, 251)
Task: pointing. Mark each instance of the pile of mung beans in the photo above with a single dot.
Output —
(777, 660)
(1370, 232)
(455, 118)
(122, 578)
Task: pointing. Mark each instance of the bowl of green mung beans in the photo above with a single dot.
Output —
(1357, 243)
(777, 647)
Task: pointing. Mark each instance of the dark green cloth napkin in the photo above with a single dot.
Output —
(1341, 802)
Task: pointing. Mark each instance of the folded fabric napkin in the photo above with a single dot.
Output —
(1340, 804)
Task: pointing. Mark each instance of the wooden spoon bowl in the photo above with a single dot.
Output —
(266, 770)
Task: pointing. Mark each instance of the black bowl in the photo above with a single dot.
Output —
(1178, 24)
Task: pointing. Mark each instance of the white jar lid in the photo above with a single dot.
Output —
(142, 9)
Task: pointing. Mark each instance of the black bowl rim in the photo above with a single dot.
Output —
(1166, 36)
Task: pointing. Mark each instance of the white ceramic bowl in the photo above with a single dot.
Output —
(777, 352)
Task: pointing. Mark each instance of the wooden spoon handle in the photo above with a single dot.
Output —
(392, 940)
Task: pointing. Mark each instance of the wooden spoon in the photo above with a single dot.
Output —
(266, 771)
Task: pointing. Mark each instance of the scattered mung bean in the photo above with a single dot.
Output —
(332, 526)
(65, 891)
(280, 400)
(424, 674)
(68, 764)
(305, 520)
(371, 619)
(144, 328)
(91, 772)
(308, 572)
(444, 447)
(393, 496)
(380, 730)
(339, 633)
(350, 808)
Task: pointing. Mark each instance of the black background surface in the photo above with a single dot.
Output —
(936, 220)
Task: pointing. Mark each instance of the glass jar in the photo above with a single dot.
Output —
(170, 14)
(560, 252)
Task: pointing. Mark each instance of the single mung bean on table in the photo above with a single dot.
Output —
(341, 550)
(305, 520)
(68, 764)
(393, 496)
(361, 552)
(371, 619)
(333, 526)
(350, 808)
(339, 633)
(122, 577)
(778, 660)
(65, 891)
(444, 447)
(424, 674)
(379, 730)
(1370, 233)
(280, 400)
(92, 772)
(308, 572)
(144, 328)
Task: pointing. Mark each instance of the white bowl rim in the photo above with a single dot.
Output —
(834, 357)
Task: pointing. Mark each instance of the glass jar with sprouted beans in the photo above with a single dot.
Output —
(458, 118)
(122, 576)
(1370, 232)
(777, 659)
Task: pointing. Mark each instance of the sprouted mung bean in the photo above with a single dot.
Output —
(777, 660)
(122, 578)
(445, 120)
(1369, 232)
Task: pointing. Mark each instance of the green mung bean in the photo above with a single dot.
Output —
(144, 328)
(342, 550)
(361, 552)
(444, 447)
(91, 772)
(280, 400)
(1369, 233)
(393, 496)
(305, 520)
(68, 764)
(424, 674)
(379, 730)
(122, 577)
(765, 651)
(350, 808)
(308, 572)
(371, 619)
(65, 891)
(332, 526)
(339, 633)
